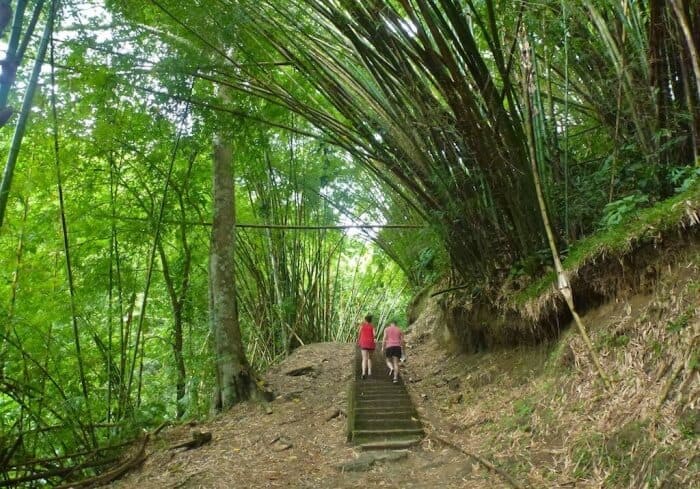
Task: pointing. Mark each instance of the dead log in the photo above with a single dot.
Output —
(198, 439)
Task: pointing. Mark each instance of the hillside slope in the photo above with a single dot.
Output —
(542, 414)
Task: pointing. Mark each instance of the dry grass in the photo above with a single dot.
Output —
(541, 414)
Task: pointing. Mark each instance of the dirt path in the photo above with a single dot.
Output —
(295, 445)
(538, 413)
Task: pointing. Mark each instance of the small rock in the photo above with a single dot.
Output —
(424, 397)
(292, 396)
(365, 461)
(331, 414)
(281, 443)
(390, 456)
(357, 465)
(458, 399)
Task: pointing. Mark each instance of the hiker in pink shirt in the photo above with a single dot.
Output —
(392, 346)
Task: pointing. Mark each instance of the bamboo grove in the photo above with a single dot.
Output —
(435, 116)
(429, 95)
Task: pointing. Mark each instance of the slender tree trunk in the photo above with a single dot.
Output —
(5, 326)
(177, 302)
(235, 380)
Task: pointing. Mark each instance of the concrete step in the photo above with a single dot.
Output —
(385, 403)
(378, 413)
(378, 384)
(386, 424)
(382, 412)
(383, 396)
(396, 444)
(386, 392)
(386, 433)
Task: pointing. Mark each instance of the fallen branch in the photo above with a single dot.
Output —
(115, 473)
(433, 433)
(62, 472)
(667, 388)
(45, 461)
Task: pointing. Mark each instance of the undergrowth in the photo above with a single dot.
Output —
(619, 238)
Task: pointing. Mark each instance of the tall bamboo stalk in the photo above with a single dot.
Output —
(66, 241)
(25, 111)
(690, 42)
(563, 284)
(11, 53)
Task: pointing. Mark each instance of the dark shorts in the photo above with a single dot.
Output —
(393, 351)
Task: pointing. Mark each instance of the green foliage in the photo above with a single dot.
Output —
(681, 321)
(617, 239)
(689, 423)
(621, 455)
(615, 340)
(616, 212)
(684, 177)
(532, 265)
(349, 135)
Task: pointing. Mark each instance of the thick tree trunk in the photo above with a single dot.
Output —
(235, 381)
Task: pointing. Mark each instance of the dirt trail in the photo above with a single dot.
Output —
(539, 414)
(295, 446)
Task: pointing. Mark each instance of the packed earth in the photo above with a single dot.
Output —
(530, 417)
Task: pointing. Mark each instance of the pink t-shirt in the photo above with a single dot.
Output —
(392, 337)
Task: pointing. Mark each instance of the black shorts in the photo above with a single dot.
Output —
(393, 351)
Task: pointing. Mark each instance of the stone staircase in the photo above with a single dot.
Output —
(380, 413)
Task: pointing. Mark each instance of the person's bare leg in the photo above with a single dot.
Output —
(365, 358)
(389, 365)
(369, 363)
(395, 361)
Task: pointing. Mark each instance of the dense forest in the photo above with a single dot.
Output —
(192, 190)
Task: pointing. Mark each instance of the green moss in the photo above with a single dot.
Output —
(618, 239)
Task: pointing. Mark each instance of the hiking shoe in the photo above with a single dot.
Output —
(364, 376)
(396, 381)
